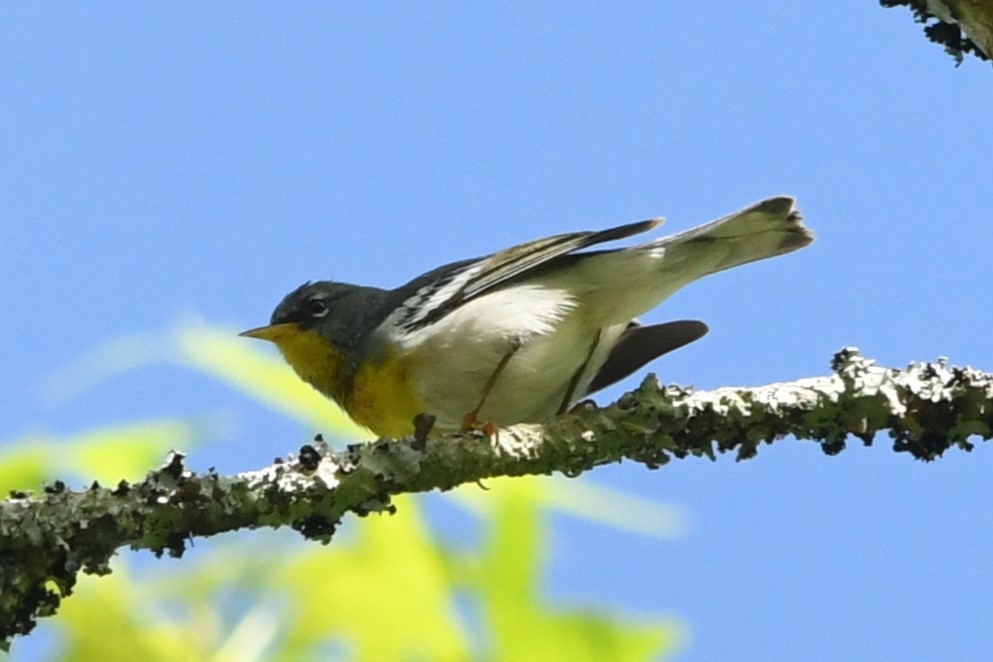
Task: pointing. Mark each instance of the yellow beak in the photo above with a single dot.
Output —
(272, 332)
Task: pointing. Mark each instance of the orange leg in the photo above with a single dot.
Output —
(471, 420)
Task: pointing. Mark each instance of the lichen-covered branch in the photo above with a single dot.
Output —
(960, 26)
(46, 539)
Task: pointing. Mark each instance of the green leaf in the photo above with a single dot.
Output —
(386, 594)
(107, 454)
(219, 353)
(523, 629)
(112, 618)
(23, 466)
(128, 451)
(269, 380)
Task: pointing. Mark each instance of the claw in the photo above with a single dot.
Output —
(470, 422)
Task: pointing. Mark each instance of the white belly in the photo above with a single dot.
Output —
(459, 355)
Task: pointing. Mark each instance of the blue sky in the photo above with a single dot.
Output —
(158, 162)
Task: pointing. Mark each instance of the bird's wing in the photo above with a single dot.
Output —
(501, 267)
(640, 344)
(436, 294)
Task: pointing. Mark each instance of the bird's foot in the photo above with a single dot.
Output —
(470, 422)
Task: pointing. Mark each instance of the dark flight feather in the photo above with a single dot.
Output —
(640, 344)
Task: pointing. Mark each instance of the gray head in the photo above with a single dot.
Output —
(343, 314)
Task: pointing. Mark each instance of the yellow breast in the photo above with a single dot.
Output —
(383, 398)
(378, 395)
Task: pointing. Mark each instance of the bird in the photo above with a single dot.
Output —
(517, 336)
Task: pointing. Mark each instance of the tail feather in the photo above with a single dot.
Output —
(766, 229)
(640, 344)
(618, 285)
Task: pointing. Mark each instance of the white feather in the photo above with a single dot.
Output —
(458, 354)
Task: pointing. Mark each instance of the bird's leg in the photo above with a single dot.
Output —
(570, 392)
(471, 420)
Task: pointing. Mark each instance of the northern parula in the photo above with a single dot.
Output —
(516, 336)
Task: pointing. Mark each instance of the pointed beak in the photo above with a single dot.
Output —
(272, 332)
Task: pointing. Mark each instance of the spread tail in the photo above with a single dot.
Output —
(628, 282)
(766, 229)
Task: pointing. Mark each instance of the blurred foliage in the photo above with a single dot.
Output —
(385, 589)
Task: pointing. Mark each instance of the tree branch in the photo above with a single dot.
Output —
(960, 26)
(46, 540)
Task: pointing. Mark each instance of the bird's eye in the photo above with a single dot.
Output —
(317, 308)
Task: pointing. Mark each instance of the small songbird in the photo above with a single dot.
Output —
(517, 336)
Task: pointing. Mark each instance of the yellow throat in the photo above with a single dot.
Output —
(379, 395)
